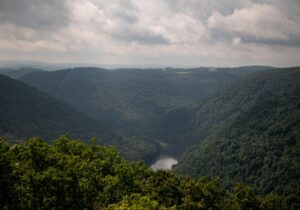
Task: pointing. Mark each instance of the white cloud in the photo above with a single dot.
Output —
(171, 32)
(258, 23)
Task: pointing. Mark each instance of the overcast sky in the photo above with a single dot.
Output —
(149, 32)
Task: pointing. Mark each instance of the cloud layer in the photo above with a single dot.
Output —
(167, 32)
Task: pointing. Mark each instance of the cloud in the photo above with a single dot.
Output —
(261, 23)
(42, 14)
(171, 32)
(140, 36)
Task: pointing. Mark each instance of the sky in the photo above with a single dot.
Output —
(156, 32)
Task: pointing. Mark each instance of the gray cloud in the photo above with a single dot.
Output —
(41, 14)
(198, 32)
(143, 37)
(203, 9)
(127, 16)
(259, 23)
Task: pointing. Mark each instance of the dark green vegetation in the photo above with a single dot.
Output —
(242, 125)
(16, 73)
(250, 132)
(135, 100)
(26, 112)
(71, 175)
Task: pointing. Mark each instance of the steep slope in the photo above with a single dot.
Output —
(26, 112)
(250, 132)
(127, 94)
(134, 99)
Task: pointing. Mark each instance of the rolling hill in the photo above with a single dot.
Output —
(250, 132)
(135, 100)
(242, 125)
(16, 73)
(26, 112)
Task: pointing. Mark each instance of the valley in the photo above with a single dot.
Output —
(149, 105)
(141, 101)
(240, 124)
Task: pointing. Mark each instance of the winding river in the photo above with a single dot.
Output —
(164, 163)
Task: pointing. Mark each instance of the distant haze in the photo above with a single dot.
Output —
(151, 33)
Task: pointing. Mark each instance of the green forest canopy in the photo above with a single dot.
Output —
(69, 174)
(27, 112)
(250, 132)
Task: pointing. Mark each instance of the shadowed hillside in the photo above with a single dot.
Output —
(26, 112)
(136, 100)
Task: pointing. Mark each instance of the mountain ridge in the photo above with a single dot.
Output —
(249, 132)
(134, 100)
(27, 112)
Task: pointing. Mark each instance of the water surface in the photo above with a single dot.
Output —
(164, 162)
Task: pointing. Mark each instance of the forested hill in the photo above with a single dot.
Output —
(71, 175)
(136, 100)
(127, 95)
(250, 132)
(16, 73)
(238, 126)
(26, 112)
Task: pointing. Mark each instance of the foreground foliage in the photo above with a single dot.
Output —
(69, 174)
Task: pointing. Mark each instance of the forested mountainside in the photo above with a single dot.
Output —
(16, 73)
(241, 125)
(250, 132)
(71, 175)
(136, 100)
(26, 112)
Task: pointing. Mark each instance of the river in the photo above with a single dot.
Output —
(164, 162)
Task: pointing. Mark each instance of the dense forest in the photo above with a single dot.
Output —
(241, 125)
(69, 174)
(134, 99)
(150, 105)
(26, 112)
(250, 132)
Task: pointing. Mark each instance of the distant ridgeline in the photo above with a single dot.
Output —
(16, 73)
(26, 112)
(250, 132)
(68, 174)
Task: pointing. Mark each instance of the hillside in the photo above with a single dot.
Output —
(16, 73)
(71, 175)
(26, 112)
(135, 100)
(250, 132)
